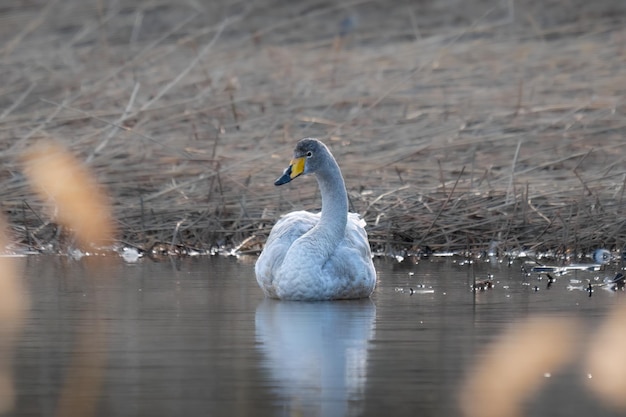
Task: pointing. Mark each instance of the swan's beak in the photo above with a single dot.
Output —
(295, 169)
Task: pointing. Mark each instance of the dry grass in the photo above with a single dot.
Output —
(455, 124)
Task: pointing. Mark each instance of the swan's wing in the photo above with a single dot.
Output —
(291, 226)
(355, 230)
(286, 230)
(352, 259)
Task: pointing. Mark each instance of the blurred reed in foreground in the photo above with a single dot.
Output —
(606, 360)
(517, 364)
(80, 204)
(75, 199)
(514, 366)
(13, 306)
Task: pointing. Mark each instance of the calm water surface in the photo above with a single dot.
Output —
(195, 337)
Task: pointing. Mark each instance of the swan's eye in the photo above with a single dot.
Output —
(309, 154)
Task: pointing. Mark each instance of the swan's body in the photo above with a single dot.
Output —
(323, 256)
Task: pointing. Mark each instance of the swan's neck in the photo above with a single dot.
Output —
(332, 224)
(301, 270)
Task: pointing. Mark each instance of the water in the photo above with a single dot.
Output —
(196, 337)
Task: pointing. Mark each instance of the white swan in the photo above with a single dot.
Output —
(323, 256)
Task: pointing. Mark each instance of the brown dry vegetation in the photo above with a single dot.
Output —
(456, 123)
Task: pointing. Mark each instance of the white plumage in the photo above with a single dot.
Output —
(322, 256)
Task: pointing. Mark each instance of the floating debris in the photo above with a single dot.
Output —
(482, 285)
(564, 269)
(250, 245)
(162, 250)
(492, 252)
(444, 254)
(619, 281)
(130, 254)
(616, 283)
(601, 256)
(76, 254)
(419, 289)
(544, 269)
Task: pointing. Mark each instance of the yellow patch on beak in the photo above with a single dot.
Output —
(297, 167)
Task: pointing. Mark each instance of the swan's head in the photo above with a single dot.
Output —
(308, 157)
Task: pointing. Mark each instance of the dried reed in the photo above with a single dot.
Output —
(145, 94)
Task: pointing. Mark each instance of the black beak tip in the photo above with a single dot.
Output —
(285, 178)
(282, 180)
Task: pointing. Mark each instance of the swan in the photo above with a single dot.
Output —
(321, 256)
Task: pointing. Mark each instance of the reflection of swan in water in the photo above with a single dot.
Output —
(317, 353)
